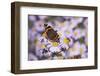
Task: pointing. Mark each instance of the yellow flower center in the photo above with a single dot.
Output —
(81, 50)
(67, 32)
(43, 46)
(55, 44)
(75, 33)
(66, 41)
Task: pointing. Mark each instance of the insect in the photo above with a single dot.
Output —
(51, 34)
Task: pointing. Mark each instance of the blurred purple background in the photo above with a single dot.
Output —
(72, 31)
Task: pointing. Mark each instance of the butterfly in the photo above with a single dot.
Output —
(51, 34)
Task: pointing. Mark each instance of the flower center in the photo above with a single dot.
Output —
(55, 44)
(75, 33)
(66, 41)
